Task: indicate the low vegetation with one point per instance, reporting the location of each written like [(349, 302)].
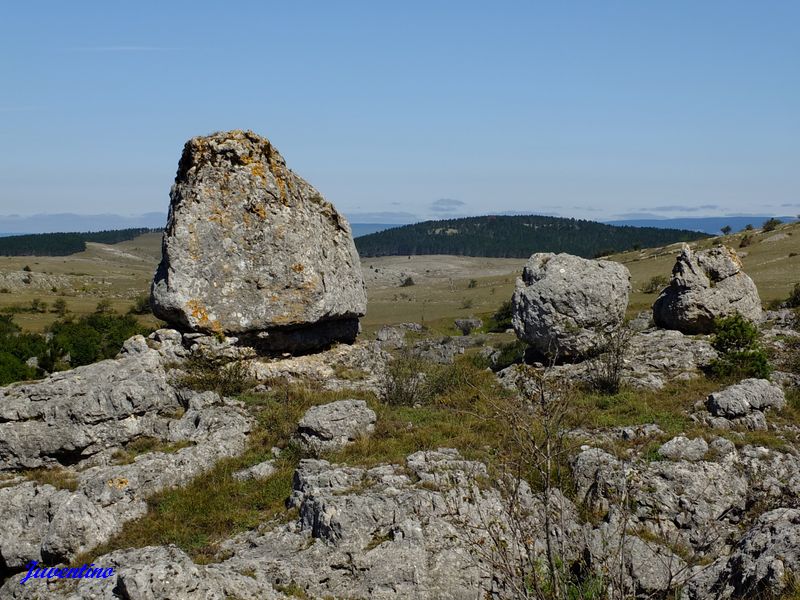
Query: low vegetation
[(68, 343), (741, 353)]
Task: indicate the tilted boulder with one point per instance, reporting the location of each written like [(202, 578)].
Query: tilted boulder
[(706, 286), (334, 425), (254, 251), (563, 303)]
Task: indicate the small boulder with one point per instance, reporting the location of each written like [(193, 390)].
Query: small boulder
[(260, 471), (253, 251), (333, 426), (706, 286), (682, 448), (745, 397), (563, 303), (467, 326)]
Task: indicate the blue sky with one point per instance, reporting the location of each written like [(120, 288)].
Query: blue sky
[(410, 110)]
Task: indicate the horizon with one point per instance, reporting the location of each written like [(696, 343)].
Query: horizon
[(599, 112)]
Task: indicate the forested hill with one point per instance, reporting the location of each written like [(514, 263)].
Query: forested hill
[(516, 237), (62, 244)]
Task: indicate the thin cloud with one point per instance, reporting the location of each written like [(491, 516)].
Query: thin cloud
[(121, 49), (446, 205), (14, 109), (684, 208)]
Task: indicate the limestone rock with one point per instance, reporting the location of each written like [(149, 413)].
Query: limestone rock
[(467, 326), (260, 471), (682, 448), (253, 250), (705, 286), (334, 425), (563, 303), (760, 564), (745, 397), (72, 415)]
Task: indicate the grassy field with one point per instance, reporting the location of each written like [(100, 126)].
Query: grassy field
[(444, 287)]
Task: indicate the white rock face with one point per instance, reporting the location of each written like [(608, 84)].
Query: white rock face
[(563, 303), (705, 286), (252, 248)]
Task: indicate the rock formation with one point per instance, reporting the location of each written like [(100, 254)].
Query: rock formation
[(563, 303), (254, 251), (705, 286)]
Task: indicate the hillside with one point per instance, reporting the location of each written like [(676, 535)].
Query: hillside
[(515, 237), (63, 244)]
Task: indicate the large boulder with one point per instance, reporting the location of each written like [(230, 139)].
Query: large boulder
[(705, 286), (252, 250), (563, 303)]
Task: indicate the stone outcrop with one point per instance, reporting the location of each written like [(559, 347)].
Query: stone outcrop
[(73, 415), (563, 304), (254, 251), (743, 404), (44, 523), (334, 425), (705, 286)]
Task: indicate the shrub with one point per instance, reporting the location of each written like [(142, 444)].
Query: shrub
[(726, 230), (748, 227), (407, 282), (467, 303), (746, 240), (26, 268), (655, 284), (501, 319), (771, 224), (509, 354), (793, 301), (60, 307), (741, 354), (473, 283), (405, 383), (605, 368), (93, 337), (13, 369), (141, 305), (226, 378)]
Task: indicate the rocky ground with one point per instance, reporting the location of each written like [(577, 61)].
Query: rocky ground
[(708, 512)]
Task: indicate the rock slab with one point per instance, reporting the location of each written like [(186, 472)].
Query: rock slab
[(251, 249)]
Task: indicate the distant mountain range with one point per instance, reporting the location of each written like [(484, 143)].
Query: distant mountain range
[(69, 222), (516, 237), (710, 225)]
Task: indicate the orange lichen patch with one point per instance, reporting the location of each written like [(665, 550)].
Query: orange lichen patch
[(119, 483), (261, 211), (278, 172), (298, 268), (258, 170), (200, 314)]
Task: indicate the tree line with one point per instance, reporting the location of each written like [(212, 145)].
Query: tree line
[(516, 237), (63, 244)]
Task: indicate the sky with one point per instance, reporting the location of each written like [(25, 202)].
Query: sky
[(410, 110)]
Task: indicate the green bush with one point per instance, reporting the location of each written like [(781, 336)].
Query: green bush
[(226, 378), (13, 369), (407, 282), (771, 224), (501, 319), (655, 284), (141, 305), (93, 337), (740, 352), (793, 301)]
